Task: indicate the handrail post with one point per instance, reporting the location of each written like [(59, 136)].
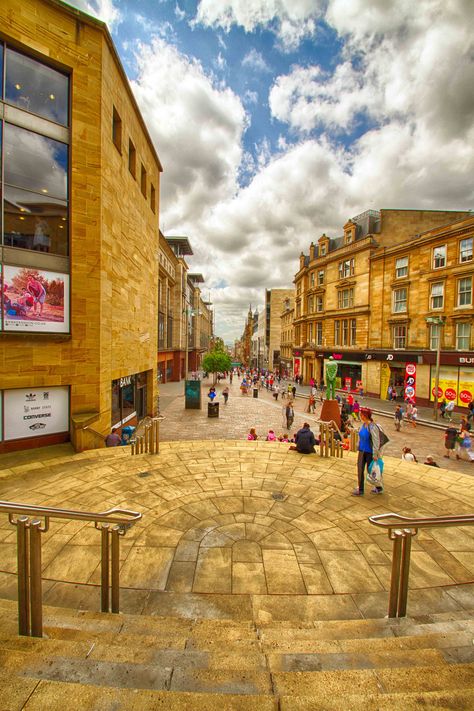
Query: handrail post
[(23, 564), (404, 572), (395, 579), (115, 565), (36, 593), (104, 590)]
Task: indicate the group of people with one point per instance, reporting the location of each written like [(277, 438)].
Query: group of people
[(303, 441), (459, 440)]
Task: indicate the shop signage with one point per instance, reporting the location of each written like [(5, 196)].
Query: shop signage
[(398, 356), (34, 412), (455, 384), (410, 381), (125, 381)]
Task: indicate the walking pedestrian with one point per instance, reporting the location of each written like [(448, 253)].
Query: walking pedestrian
[(225, 394), (289, 414), (370, 446), (398, 417), (450, 435), (449, 410)]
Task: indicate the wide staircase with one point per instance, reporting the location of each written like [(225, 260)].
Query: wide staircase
[(195, 651)]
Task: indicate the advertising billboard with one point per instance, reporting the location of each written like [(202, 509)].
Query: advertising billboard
[(35, 300), (454, 384), (35, 411)]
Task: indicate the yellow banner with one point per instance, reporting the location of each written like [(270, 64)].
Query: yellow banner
[(384, 381)]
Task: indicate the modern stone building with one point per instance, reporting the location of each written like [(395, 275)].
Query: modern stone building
[(79, 244), (341, 288)]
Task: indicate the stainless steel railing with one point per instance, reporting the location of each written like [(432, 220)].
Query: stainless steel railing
[(401, 530), (34, 520), (149, 441)]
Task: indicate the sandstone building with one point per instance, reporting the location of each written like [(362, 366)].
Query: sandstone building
[(79, 249), (364, 298)]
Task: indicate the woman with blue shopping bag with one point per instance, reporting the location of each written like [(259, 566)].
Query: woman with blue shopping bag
[(371, 441)]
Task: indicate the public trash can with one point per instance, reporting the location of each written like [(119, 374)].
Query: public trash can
[(127, 434), (213, 409), (255, 392)]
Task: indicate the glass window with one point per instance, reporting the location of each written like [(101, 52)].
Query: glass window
[(34, 221), (36, 87), (143, 180), (463, 336), (346, 268), (132, 159), (435, 333), (353, 331), (321, 277), (117, 130), (153, 197), (337, 333), (1, 89), (400, 300), (312, 279), (437, 295), (310, 333), (345, 331), (465, 250), (465, 291), (345, 298), (323, 250), (319, 334), (34, 162), (319, 303), (401, 267), (439, 257), (399, 336), (310, 304)]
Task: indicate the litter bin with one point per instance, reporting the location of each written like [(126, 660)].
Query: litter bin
[(213, 409), (255, 392), (127, 433)]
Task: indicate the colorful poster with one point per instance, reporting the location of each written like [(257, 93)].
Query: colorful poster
[(454, 385), (296, 366), (384, 380), (347, 383), (35, 300), (35, 411), (410, 382)]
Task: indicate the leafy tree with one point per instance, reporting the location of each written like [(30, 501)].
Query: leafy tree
[(216, 361)]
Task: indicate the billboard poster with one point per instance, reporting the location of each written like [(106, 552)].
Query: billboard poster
[(35, 300), (35, 411), (385, 374), (410, 382)]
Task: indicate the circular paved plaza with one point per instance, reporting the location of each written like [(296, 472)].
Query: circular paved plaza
[(241, 518)]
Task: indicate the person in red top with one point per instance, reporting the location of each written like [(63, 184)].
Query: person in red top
[(38, 292)]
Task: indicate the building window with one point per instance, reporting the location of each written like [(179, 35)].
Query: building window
[(401, 268), (399, 336), (319, 334), (310, 333), (345, 332), (346, 268), (439, 257), (345, 298), (465, 291), (399, 301), (143, 181), (437, 295), (36, 87), (323, 250), (132, 159), (310, 304), (465, 250), (311, 279), (35, 191), (153, 197), (117, 130), (319, 304), (321, 277), (435, 334), (463, 336), (348, 237)]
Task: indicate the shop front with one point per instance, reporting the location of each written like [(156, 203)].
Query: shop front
[(349, 370), (129, 399)]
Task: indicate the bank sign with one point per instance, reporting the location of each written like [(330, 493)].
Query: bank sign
[(34, 412)]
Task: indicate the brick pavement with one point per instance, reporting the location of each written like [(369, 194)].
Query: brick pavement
[(243, 412)]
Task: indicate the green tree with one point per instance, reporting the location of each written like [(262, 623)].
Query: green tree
[(216, 361)]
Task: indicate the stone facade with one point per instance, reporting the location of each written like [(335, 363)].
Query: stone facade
[(113, 226), (274, 300)]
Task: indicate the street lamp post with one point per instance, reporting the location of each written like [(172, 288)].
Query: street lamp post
[(436, 321)]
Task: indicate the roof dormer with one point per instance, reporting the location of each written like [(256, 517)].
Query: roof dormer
[(350, 232), (323, 243)]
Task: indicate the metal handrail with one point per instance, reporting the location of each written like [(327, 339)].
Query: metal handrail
[(401, 530), (112, 524), (123, 517)]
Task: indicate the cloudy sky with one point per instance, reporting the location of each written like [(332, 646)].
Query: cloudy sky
[(277, 120)]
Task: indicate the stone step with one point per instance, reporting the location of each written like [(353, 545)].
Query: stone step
[(34, 695), (455, 700)]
